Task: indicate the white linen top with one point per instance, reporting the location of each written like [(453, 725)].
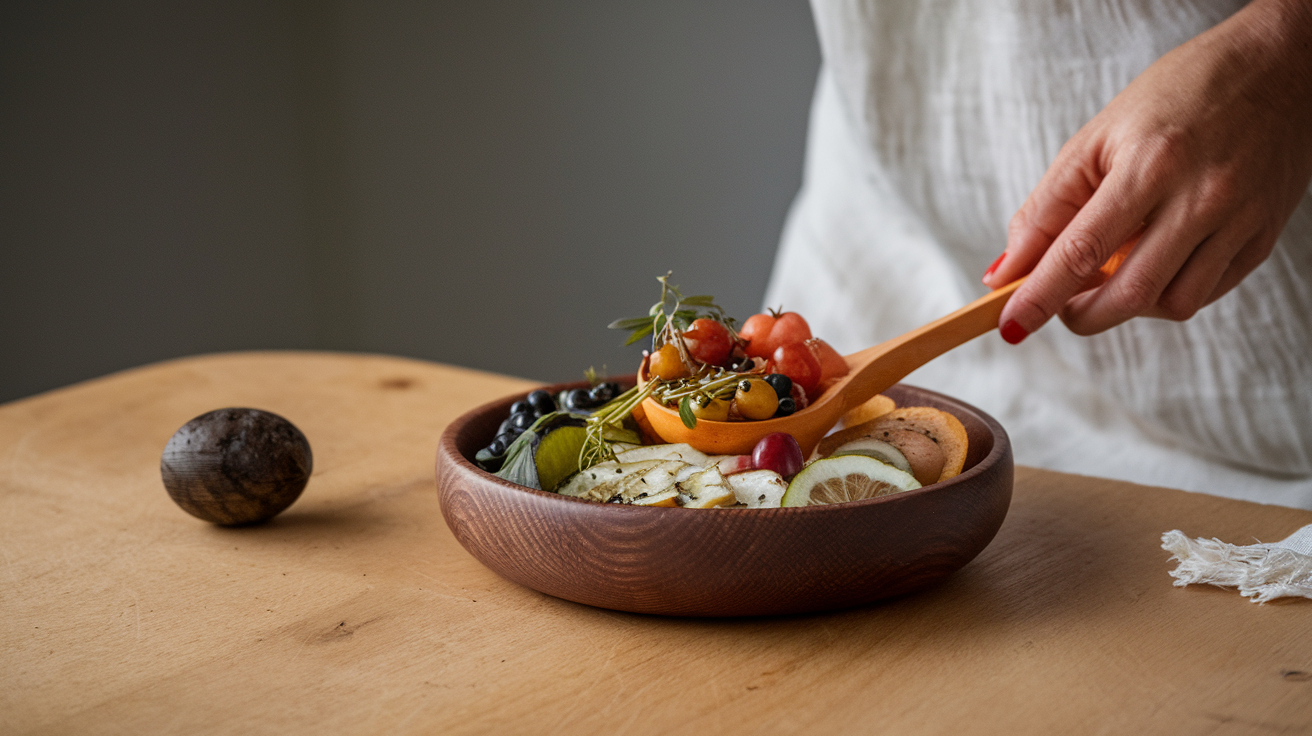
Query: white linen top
[(931, 123)]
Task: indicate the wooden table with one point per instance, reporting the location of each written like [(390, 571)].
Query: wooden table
[(356, 611)]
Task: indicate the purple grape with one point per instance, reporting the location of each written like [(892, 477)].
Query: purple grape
[(778, 452)]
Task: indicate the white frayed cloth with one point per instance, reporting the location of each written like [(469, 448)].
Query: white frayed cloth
[(1263, 572)]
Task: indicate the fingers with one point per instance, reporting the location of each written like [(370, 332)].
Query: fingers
[(1111, 216), (1066, 187), (1170, 274), (1254, 252)]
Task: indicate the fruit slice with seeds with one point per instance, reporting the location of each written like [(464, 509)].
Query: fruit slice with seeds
[(846, 478)]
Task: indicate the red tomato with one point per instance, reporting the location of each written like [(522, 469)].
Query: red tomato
[(832, 364), (796, 361), (765, 332), (708, 341)]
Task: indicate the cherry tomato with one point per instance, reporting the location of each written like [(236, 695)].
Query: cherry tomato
[(666, 364), (778, 452), (756, 399), (708, 341), (756, 331), (796, 361), (765, 332), (831, 363)]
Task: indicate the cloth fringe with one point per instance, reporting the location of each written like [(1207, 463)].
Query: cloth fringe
[(1262, 572)]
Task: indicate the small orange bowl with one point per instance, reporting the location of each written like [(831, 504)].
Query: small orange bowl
[(725, 562)]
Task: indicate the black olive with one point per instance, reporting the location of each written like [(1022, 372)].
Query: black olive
[(521, 407), (578, 399), (542, 402), (600, 394), (498, 447), (782, 385), (488, 460), (786, 406), (236, 466), (521, 421)]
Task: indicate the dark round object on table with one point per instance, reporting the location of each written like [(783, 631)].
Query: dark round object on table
[(521, 421), (521, 407), (236, 466)]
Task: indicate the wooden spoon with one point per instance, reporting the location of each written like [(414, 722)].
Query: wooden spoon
[(870, 372)]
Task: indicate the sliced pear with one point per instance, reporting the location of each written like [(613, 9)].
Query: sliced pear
[(705, 489), (758, 489), (730, 464), (582, 483), (680, 451), (667, 497)]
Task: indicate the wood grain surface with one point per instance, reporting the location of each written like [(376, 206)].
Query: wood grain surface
[(357, 611)]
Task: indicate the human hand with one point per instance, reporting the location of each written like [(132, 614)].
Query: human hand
[(1196, 166)]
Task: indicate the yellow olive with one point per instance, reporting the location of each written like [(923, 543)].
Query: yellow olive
[(712, 410), (666, 364), (756, 399)]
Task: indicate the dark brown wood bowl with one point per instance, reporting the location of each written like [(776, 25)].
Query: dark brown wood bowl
[(726, 562)]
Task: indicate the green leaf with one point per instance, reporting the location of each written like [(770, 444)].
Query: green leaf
[(685, 413), (519, 466), (701, 300), (638, 334), (629, 323)]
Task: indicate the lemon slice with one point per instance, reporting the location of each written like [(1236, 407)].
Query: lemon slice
[(846, 478)]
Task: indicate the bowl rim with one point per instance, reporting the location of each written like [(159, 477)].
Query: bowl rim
[(448, 450)]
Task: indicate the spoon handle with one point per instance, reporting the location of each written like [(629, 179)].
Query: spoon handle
[(877, 368)]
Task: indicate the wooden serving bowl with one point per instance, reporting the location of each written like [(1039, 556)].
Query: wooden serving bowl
[(725, 562)]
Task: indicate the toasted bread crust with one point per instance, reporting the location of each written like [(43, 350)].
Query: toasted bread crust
[(946, 430), (876, 407)]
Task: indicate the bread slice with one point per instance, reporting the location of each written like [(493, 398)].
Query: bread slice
[(876, 407), (944, 429)]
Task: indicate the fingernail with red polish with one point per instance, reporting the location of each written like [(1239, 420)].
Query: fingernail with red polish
[(1013, 333), (995, 265)]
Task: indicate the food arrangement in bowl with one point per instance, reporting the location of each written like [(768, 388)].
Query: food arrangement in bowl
[(594, 443), (570, 491)]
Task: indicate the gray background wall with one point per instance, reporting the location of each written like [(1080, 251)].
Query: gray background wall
[(476, 182)]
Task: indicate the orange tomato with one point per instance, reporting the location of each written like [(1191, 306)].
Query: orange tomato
[(767, 331)]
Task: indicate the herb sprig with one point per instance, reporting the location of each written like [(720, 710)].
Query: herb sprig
[(674, 313)]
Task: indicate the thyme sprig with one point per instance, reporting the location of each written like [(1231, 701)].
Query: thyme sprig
[(673, 314), (596, 448)]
